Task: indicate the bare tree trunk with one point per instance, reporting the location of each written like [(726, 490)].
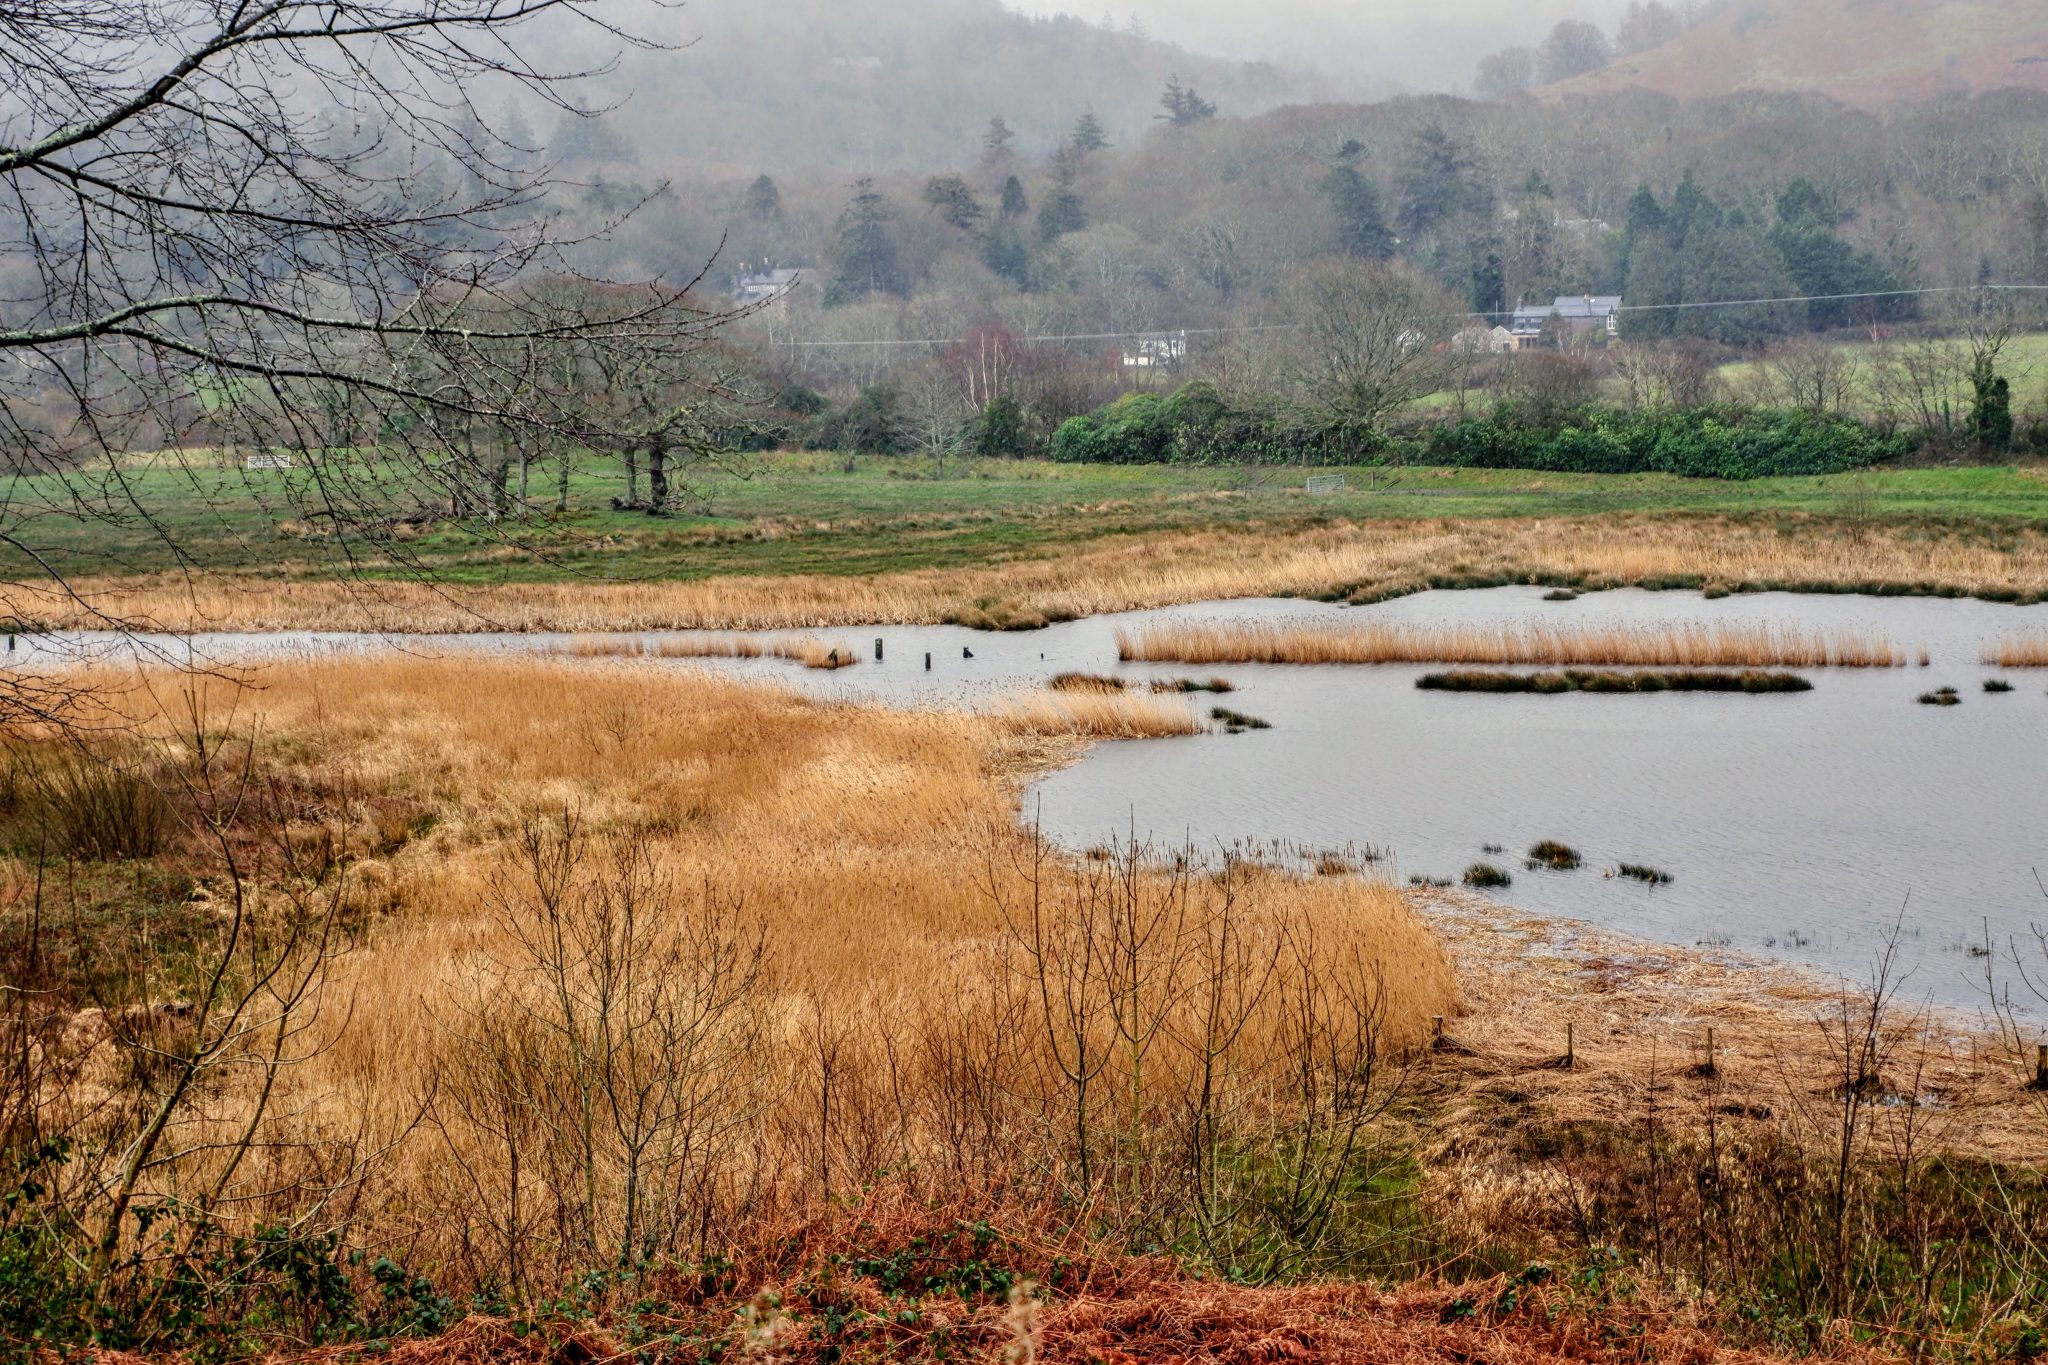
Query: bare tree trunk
[(657, 474)]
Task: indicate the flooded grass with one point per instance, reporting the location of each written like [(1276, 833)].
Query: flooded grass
[(1553, 855), (1194, 685), (1670, 645), (1997, 685), (1941, 696), (1482, 876), (1236, 722), (1641, 872), (1085, 682), (1750, 681)]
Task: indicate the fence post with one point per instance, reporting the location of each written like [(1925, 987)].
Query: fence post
[(878, 649)]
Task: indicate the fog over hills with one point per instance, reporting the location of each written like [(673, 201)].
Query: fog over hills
[(876, 85), (1422, 45)]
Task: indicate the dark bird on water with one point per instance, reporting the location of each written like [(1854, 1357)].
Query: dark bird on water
[(966, 653)]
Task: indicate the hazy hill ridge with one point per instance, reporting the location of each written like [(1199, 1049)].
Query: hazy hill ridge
[(1868, 53), (878, 85)]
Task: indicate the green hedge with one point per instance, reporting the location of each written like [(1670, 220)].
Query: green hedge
[(1196, 425), (1703, 443)]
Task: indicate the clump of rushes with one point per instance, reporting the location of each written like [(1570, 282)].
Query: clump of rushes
[(1713, 592), (1436, 883), (1560, 595), (1553, 855), (1194, 685), (1085, 682), (1941, 696), (1486, 875), (1751, 681), (1997, 685), (1237, 722), (997, 613), (1648, 875)]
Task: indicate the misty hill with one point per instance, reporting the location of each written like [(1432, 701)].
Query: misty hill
[(1867, 53), (876, 85)]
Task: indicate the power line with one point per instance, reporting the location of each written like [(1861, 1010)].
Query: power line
[(1064, 338)]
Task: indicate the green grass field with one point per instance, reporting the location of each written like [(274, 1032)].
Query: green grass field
[(803, 513)]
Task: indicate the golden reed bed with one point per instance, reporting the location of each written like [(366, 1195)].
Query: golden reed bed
[(2019, 651), (819, 654), (1690, 646), (837, 900), (1114, 574)]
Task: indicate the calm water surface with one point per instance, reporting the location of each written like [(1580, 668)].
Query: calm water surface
[(1802, 826)]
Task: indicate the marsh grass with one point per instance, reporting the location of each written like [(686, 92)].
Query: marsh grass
[(1371, 561), (813, 934), (88, 806), (1676, 645), (1553, 855), (1941, 696), (1483, 876), (1096, 714), (1217, 685), (1997, 685), (818, 654), (1641, 872), (1751, 681), (1085, 682), (1236, 722)]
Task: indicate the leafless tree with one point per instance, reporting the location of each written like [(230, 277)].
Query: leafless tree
[(1812, 376), (284, 228), (1368, 341), (935, 415)]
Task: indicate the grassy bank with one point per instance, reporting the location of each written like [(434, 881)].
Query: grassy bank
[(1356, 561), (803, 513)]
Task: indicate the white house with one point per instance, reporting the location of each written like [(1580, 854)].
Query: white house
[(1156, 351), (759, 286)]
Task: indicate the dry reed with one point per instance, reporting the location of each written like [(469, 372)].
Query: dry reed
[(1690, 646), (2019, 651), (1094, 714), (818, 654), (874, 853)]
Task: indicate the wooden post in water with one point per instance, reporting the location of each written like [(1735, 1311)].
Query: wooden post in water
[(878, 649), (927, 661)]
